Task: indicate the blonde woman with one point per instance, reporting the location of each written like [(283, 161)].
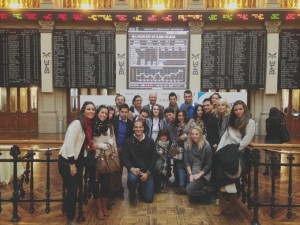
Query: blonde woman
[(198, 161), (222, 113)]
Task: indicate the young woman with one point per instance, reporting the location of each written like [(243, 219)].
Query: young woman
[(273, 123), (199, 117), (155, 122), (215, 97), (136, 105), (77, 141), (162, 162), (183, 126), (222, 114), (111, 114), (103, 138), (240, 131), (198, 161)]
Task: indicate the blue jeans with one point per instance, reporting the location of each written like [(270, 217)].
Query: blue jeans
[(145, 189), (181, 172)]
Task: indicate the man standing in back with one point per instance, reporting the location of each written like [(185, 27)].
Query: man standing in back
[(188, 104)]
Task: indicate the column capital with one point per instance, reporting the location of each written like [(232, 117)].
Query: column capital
[(121, 27), (273, 26), (46, 26), (196, 27)]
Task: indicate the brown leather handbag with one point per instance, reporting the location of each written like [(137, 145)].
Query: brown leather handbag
[(108, 161)]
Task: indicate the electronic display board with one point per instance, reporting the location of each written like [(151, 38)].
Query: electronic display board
[(289, 60), (158, 58), (84, 58), (233, 59)]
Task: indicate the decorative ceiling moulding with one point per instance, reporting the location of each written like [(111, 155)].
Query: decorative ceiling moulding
[(46, 26), (272, 26)]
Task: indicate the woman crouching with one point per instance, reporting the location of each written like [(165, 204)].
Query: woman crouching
[(198, 160)]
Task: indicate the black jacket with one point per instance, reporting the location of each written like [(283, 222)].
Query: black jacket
[(273, 131), (211, 123), (139, 154), (129, 127)]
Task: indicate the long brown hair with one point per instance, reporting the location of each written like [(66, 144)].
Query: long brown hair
[(239, 123)]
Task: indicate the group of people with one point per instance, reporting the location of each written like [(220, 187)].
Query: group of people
[(197, 135)]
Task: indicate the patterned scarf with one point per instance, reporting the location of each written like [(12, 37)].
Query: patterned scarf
[(88, 124), (100, 127)]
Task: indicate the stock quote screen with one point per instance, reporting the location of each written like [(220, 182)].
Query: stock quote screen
[(158, 58)]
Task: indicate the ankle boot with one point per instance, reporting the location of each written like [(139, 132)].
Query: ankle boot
[(104, 206), (99, 209), (180, 190), (222, 204), (232, 204)]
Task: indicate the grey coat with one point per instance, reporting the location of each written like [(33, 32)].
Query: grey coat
[(206, 161)]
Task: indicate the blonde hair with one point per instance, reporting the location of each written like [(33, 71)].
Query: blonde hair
[(200, 132), (227, 111)]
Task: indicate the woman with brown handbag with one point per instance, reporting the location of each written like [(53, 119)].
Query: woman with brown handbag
[(104, 140)]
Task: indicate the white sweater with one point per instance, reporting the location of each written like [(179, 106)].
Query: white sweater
[(74, 140), (233, 136)]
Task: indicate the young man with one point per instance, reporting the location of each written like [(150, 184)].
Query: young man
[(211, 123), (139, 157), (144, 114), (188, 104), (152, 100), (170, 118), (120, 100), (123, 130), (173, 101)]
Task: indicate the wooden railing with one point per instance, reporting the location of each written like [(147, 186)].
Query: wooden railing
[(250, 193)]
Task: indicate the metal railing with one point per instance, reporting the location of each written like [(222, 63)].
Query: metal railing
[(18, 194), (250, 193)]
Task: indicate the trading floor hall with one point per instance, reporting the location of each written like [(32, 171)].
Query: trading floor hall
[(167, 208)]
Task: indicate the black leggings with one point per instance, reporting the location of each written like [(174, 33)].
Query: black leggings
[(71, 183)]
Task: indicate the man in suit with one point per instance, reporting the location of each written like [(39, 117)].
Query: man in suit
[(123, 130), (152, 100)]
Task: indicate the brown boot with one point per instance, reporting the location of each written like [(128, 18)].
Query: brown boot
[(180, 190), (99, 209), (104, 206), (232, 204), (222, 204)]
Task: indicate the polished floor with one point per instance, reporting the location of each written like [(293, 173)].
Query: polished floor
[(167, 208)]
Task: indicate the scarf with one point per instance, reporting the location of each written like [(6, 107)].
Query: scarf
[(163, 144), (187, 106), (174, 107), (100, 127), (88, 124)]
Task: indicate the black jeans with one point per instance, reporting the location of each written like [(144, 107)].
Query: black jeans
[(71, 183)]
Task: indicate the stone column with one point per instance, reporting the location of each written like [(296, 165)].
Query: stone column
[(196, 30), (121, 55), (46, 4), (47, 112), (121, 4), (196, 4), (271, 96), (272, 56)]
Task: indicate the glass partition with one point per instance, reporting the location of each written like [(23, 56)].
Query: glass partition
[(74, 100), (3, 99), (23, 100), (13, 100), (33, 99), (295, 102)]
